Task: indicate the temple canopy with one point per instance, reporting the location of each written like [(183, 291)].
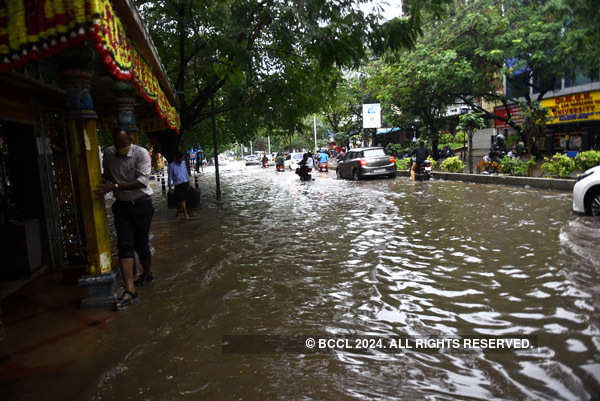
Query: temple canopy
[(33, 30)]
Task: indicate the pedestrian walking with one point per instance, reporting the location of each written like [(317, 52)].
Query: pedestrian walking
[(179, 184), (127, 174)]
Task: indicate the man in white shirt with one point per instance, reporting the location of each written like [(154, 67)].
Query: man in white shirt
[(310, 162), (127, 175)]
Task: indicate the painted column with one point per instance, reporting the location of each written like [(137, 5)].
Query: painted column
[(100, 283), (125, 102), (86, 167)]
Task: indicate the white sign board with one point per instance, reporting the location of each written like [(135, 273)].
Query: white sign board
[(372, 115)]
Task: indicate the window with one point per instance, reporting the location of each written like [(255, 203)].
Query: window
[(579, 76), (546, 83), (517, 86), (374, 153)]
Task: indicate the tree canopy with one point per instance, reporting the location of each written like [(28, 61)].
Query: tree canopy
[(266, 62), (481, 45)]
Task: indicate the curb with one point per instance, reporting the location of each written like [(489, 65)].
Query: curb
[(533, 182)]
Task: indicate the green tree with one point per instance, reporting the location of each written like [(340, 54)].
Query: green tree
[(469, 123), (529, 44), (265, 62), (417, 87), (343, 110)]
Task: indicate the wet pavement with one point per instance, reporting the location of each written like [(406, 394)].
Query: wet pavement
[(378, 257)]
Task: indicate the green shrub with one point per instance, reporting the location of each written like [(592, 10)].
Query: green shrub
[(453, 165), (461, 137), (531, 163), (513, 166), (559, 165), (403, 164), (394, 149), (587, 159), (446, 138)]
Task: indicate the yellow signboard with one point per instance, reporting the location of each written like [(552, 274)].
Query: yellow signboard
[(578, 107)]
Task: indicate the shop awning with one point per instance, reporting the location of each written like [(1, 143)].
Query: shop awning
[(31, 30)]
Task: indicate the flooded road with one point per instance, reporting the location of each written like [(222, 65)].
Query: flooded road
[(379, 257)]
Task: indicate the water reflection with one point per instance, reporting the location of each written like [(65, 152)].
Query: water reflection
[(381, 257)]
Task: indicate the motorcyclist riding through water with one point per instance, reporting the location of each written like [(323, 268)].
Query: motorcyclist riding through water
[(323, 160), (279, 162), (420, 153), (498, 150), (306, 165)]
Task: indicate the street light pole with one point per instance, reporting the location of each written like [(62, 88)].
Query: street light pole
[(269, 142), (315, 129), (214, 134)]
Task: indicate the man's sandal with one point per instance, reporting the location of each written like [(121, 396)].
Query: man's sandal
[(144, 279), (125, 302)]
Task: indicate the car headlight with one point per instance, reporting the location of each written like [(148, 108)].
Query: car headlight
[(584, 175)]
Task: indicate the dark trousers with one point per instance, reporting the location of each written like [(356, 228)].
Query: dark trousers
[(181, 191), (132, 222)]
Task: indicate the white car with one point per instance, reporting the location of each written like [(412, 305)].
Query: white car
[(586, 192), (293, 161), (251, 160)]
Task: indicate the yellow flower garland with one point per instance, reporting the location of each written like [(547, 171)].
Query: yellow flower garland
[(70, 21)]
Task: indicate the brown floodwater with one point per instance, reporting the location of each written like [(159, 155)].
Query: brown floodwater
[(379, 258)]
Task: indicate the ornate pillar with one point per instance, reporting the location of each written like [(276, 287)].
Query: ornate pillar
[(125, 102), (100, 283)]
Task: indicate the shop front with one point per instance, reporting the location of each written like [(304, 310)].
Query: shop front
[(573, 122), (70, 70)]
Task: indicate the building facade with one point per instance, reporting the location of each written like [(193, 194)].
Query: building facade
[(70, 70)]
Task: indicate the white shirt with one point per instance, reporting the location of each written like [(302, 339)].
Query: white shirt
[(309, 162), (134, 166)]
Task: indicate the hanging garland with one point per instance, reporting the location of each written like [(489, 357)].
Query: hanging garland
[(34, 29)]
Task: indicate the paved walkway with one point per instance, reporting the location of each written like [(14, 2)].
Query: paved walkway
[(43, 331)]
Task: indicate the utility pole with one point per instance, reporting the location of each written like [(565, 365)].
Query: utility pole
[(315, 129), (269, 142), (214, 133), (251, 148)]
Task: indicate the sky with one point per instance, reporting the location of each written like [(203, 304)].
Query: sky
[(392, 8)]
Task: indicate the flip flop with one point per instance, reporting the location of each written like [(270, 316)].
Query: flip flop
[(124, 303)]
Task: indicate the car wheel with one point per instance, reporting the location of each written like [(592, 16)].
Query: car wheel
[(595, 203), (355, 176), (337, 173), (393, 175)]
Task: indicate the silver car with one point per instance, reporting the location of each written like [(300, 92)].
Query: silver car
[(586, 192), (366, 162)]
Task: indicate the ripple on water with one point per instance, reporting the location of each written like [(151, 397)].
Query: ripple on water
[(368, 258)]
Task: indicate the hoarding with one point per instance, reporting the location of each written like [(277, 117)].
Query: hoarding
[(371, 115), (516, 114), (577, 107)]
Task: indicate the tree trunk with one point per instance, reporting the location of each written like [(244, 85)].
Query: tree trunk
[(469, 156), (434, 149)]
